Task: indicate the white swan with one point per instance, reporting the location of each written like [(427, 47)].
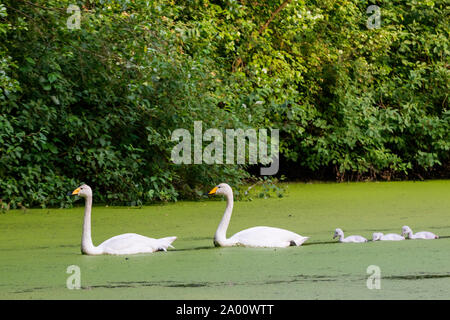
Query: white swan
[(406, 231), (253, 237), (339, 233), (387, 237), (128, 243)]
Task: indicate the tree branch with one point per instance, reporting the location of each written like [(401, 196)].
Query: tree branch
[(281, 7)]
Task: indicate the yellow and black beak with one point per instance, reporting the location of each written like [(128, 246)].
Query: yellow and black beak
[(213, 191), (75, 192)]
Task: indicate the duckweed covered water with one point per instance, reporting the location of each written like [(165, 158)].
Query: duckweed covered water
[(37, 246)]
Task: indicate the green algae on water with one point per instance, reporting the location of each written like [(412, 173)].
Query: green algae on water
[(37, 247)]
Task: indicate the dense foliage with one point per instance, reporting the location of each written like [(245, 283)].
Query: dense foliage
[(98, 104)]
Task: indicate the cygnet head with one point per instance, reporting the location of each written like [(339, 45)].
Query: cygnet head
[(221, 189), (376, 236), (83, 191), (338, 232), (406, 230)]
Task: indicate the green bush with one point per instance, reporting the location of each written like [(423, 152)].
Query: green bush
[(98, 104), (369, 103)]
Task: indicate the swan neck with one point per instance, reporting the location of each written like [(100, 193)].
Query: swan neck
[(220, 237), (87, 247)]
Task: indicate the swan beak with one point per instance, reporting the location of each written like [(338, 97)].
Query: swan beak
[(213, 191), (75, 192)]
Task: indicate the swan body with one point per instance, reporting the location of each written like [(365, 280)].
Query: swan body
[(387, 237), (339, 233), (407, 232), (132, 243), (267, 237), (255, 237), (128, 243)]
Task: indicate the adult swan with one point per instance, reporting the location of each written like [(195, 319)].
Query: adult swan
[(253, 237), (128, 243)]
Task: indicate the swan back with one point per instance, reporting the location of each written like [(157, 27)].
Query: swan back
[(355, 239), (392, 237), (387, 237), (424, 235), (267, 237), (132, 243)]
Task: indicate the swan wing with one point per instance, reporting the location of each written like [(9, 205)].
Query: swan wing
[(267, 237), (425, 235), (132, 243), (392, 237), (355, 239)]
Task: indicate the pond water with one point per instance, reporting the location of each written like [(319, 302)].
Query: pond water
[(38, 245)]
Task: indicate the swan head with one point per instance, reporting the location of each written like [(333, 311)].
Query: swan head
[(338, 232), (83, 191), (376, 236), (221, 189), (406, 230)]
